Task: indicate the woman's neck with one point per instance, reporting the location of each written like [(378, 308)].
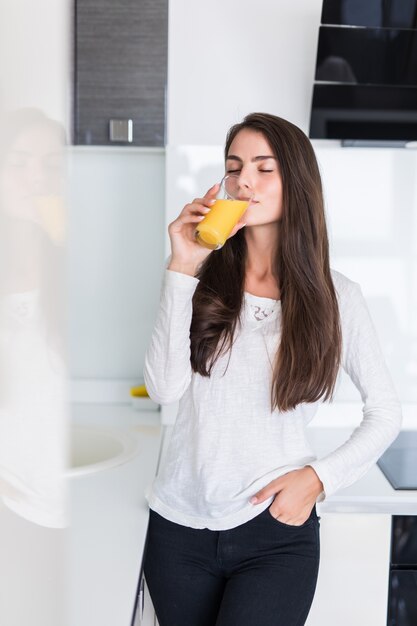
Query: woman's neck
[(261, 242), (260, 277)]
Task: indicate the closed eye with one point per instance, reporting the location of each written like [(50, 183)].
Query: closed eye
[(237, 171)]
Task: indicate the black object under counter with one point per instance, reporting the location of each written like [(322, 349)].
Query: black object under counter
[(402, 593)]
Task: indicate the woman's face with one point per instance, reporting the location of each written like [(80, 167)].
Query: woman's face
[(33, 167), (251, 157)]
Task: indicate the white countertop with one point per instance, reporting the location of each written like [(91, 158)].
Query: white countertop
[(109, 520), (109, 514), (372, 493)]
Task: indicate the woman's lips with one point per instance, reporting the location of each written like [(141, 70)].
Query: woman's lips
[(251, 202)]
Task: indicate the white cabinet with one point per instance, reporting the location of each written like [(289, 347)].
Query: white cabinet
[(352, 586)]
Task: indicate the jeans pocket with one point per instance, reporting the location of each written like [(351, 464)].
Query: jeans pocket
[(310, 520)]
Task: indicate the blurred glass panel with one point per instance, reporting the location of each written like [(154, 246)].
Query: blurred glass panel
[(34, 70)]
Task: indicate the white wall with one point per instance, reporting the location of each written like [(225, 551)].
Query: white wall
[(372, 218), (35, 56), (115, 258), (228, 59)]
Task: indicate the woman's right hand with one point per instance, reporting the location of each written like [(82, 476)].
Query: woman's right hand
[(186, 253)]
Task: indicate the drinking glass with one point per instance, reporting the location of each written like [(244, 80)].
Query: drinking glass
[(231, 203)]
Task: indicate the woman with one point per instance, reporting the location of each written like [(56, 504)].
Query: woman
[(33, 423), (250, 339)]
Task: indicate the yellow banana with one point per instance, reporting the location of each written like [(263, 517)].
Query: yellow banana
[(139, 392)]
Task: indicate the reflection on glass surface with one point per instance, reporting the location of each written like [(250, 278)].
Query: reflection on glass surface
[(32, 306), (34, 517), (404, 540), (364, 112), (377, 56), (399, 461), (402, 598), (385, 13)]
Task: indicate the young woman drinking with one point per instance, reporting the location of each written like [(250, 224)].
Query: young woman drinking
[(250, 339)]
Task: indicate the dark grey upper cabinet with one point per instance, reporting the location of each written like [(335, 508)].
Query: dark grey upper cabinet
[(120, 71)]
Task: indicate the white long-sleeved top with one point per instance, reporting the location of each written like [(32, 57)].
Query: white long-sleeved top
[(226, 443)]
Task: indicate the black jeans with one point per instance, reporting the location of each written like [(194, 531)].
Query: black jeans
[(263, 572)]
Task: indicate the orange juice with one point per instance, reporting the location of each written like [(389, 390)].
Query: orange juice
[(52, 212), (217, 225)]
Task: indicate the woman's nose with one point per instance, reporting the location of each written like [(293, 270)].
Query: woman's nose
[(246, 186), (35, 175)]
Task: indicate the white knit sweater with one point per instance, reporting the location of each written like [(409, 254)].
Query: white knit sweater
[(226, 444)]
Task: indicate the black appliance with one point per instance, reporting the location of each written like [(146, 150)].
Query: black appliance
[(399, 462), (365, 89), (402, 594)]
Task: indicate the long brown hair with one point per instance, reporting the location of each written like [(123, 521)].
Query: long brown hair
[(309, 354)]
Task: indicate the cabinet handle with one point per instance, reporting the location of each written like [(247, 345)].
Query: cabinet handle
[(121, 130)]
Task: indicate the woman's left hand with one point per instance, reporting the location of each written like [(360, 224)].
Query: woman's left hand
[(296, 494)]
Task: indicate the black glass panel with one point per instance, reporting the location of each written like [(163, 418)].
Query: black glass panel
[(404, 541), (375, 56), (373, 13), (365, 97), (399, 461), (400, 467), (364, 112), (402, 605)]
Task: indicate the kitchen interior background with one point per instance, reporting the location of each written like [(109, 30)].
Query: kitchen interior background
[(225, 60)]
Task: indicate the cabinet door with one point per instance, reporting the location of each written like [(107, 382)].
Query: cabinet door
[(404, 541), (402, 608), (352, 586), (120, 69)]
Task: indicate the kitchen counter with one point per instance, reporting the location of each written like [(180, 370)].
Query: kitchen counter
[(109, 520), (372, 493)]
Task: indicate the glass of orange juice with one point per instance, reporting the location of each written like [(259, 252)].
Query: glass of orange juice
[(231, 203)]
